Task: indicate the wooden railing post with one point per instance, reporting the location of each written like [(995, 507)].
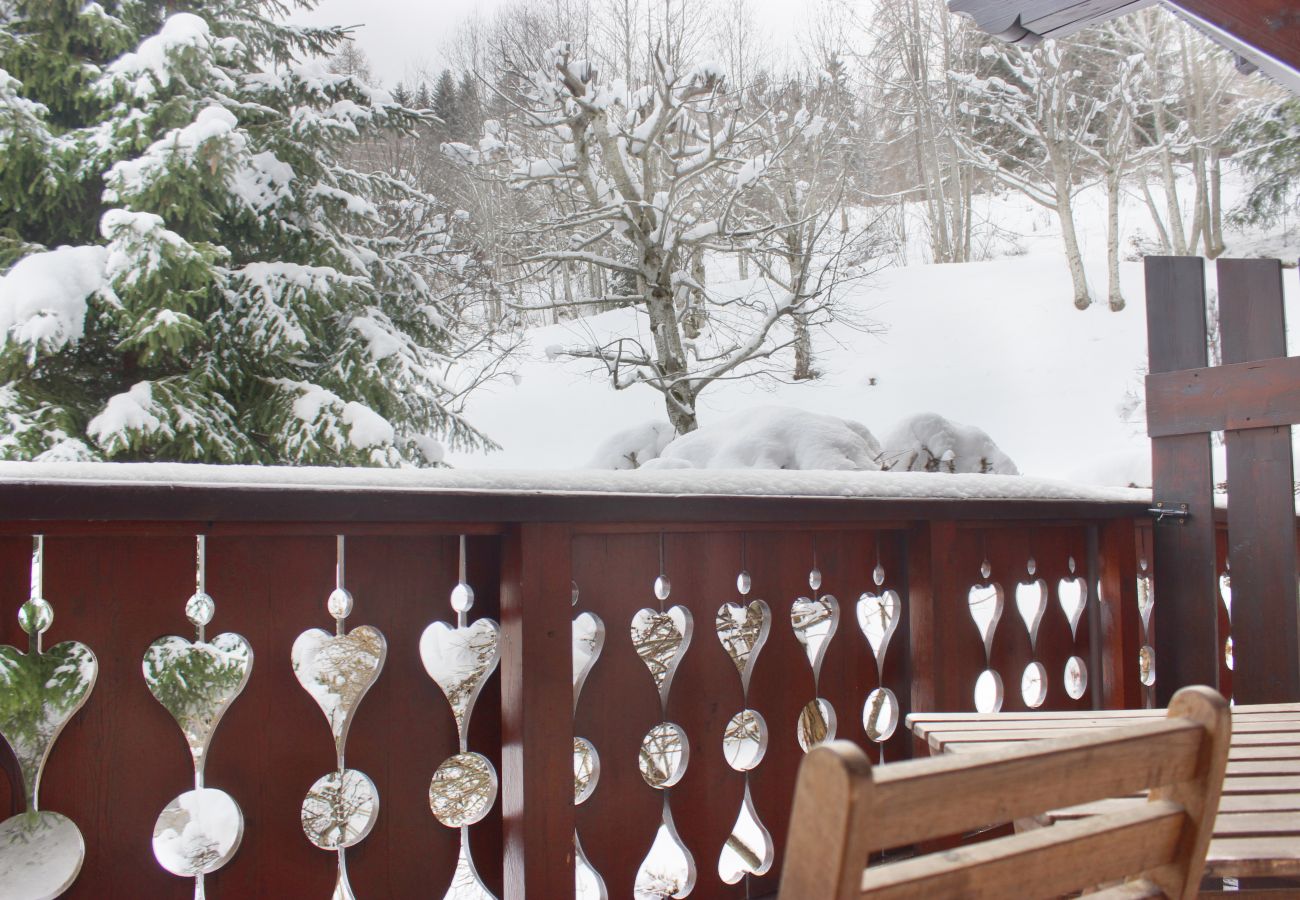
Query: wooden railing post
[(537, 712), (943, 661), (1261, 502), (1187, 643), (1120, 634)]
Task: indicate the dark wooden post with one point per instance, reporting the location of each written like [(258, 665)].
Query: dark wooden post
[(1186, 641), (537, 712), (1261, 500), (944, 648), (1120, 634)]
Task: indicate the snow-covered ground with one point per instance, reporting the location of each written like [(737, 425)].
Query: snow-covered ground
[(997, 344)]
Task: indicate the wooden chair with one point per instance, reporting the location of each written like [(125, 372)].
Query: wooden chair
[(844, 810)]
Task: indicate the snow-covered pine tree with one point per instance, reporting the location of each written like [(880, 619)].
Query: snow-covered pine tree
[(1267, 132), (192, 271)]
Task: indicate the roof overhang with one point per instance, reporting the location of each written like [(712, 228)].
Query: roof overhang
[(1264, 34)]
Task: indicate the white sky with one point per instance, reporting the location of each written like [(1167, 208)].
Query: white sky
[(404, 37)]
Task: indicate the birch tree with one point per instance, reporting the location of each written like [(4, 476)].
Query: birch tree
[(1048, 111)]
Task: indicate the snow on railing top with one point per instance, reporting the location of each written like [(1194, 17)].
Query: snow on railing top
[(675, 482)]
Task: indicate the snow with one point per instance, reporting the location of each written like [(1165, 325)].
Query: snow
[(930, 443), (996, 344), (263, 182), (135, 246), (125, 413), (685, 483), (366, 428), (632, 447), (751, 171), (130, 176), (774, 437), (150, 65), (380, 341), (43, 297)]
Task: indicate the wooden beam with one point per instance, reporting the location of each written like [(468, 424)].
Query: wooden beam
[(1261, 500), (1186, 640), (1264, 32), (1262, 393), (52, 501)]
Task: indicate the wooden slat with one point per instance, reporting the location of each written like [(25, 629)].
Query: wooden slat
[(1121, 631), (828, 830), (537, 712), (1187, 645), (1264, 767), (781, 685), (1258, 394), (708, 799), (618, 705), (1244, 804), (1257, 823), (976, 741), (1016, 781), (1254, 857), (1261, 508), (1048, 724), (1089, 851), (1261, 784)]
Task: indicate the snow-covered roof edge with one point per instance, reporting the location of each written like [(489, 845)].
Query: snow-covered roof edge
[(676, 482)]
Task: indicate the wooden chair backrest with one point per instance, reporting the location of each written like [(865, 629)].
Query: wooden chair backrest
[(844, 810)]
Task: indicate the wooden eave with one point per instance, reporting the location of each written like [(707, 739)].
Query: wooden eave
[(1264, 34)]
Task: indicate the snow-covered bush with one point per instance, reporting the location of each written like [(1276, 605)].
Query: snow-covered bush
[(930, 443), (773, 437), (632, 447)]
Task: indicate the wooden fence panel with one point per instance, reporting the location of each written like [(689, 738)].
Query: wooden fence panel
[(1261, 508), (1187, 642)]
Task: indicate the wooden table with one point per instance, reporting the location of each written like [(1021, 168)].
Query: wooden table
[(1257, 832)]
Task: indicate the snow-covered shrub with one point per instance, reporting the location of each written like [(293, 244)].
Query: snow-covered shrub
[(930, 443), (773, 437), (632, 447)]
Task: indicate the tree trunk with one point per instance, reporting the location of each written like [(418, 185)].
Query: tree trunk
[(1177, 235), (679, 392), (803, 370), (1161, 233), (1216, 245), (1113, 291), (1073, 255)]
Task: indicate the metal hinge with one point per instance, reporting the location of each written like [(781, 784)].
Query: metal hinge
[(1164, 510)]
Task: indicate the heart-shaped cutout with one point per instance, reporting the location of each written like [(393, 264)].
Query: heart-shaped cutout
[(878, 619), (661, 639), (1031, 602), (815, 621), (1073, 596), (460, 661), (42, 692), (743, 630), (197, 682), (588, 641), (337, 670), (985, 602)]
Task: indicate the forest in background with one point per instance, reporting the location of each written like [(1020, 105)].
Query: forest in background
[(274, 259)]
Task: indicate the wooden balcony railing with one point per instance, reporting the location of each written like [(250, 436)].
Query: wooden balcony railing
[(881, 594)]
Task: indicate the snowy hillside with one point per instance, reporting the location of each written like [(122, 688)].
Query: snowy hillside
[(995, 344)]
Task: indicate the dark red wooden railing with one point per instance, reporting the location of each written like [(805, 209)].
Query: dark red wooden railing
[(120, 564)]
